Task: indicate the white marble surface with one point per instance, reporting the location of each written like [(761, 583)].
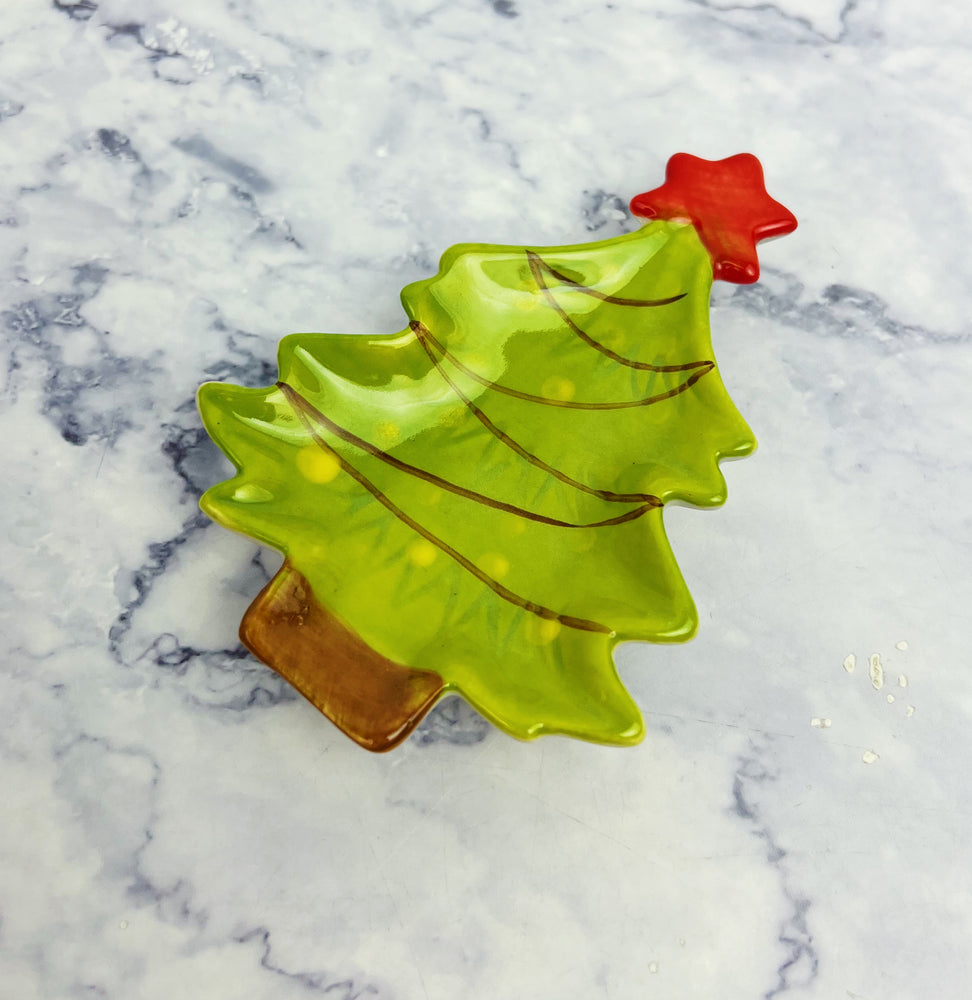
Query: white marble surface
[(185, 181)]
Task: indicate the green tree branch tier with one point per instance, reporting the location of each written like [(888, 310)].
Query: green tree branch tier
[(474, 505)]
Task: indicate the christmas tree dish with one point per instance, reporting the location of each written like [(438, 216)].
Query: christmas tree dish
[(474, 505)]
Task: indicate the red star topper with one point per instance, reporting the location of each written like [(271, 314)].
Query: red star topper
[(726, 201)]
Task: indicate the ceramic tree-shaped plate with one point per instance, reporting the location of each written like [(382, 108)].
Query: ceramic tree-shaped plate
[(474, 504)]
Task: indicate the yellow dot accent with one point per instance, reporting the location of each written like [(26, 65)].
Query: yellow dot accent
[(613, 339), (513, 526), (317, 465), (315, 551), (584, 539), (526, 303), (451, 416), (422, 552), (543, 631), (388, 432), (431, 495), (494, 564), (558, 387)]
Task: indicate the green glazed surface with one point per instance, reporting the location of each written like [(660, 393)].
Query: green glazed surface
[(435, 486)]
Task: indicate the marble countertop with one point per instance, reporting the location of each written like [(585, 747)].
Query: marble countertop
[(184, 182)]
